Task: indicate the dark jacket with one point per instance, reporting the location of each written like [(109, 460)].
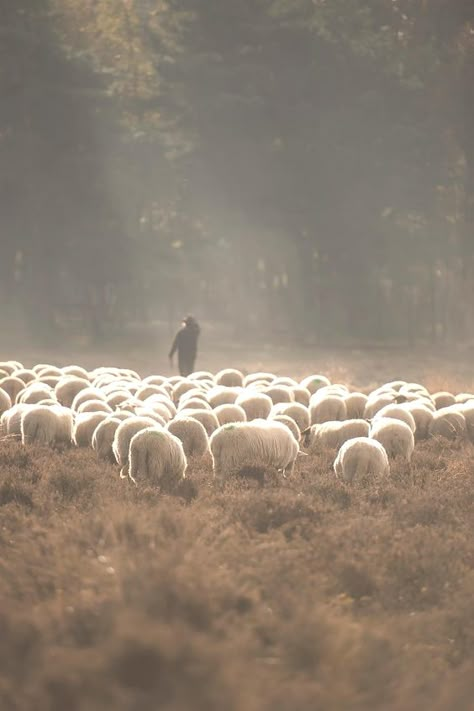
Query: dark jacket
[(185, 342)]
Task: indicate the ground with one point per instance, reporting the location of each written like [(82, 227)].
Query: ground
[(308, 594)]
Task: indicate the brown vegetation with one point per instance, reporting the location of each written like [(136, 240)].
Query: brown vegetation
[(308, 594)]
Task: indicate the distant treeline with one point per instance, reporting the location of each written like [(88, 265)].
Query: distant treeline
[(294, 167)]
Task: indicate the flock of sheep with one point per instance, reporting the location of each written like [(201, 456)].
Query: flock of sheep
[(152, 427)]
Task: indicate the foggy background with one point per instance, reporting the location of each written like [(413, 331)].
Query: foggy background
[(292, 171)]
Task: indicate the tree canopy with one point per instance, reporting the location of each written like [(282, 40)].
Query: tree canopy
[(297, 167)]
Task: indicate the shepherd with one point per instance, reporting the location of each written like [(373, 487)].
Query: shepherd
[(185, 342)]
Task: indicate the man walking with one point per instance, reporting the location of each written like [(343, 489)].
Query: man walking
[(185, 342)]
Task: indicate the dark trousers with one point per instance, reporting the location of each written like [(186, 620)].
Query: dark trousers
[(186, 366)]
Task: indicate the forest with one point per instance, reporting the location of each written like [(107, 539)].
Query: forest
[(301, 169)]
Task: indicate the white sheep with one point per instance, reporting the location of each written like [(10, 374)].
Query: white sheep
[(156, 457), (299, 413), (314, 382), (34, 393), (94, 406), (223, 395), (103, 438), (46, 425), (252, 378), (256, 406), (230, 413), (443, 399), (423, 417), (206, 417), (230, 377), (332, 435), (395, 436), (12, 386), (355, 405), (68, 387), (360, 457), (10, 420), (26, 375), (397, 412), (301, 395), (255, 445), (279, 393), (5, 401), (327, 408), (85, 395), (84, 426), (192, 435), (290, 423), (448, 422), (194, 403), (76, 371), (124, 433)]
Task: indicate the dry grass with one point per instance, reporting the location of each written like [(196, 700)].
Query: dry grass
[(304, 595)]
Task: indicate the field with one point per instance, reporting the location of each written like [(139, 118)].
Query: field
[(305, 595)]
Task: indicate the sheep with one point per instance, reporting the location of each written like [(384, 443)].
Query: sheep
[(395, 436), (448, 422), (221, 395), (42, 369), (360, 457), (287, 382), (5, 401), (157, 457), (194, 404), (256, 445), (443, 399), (154, 380), (182, 387), (397, 412), (252, 378), (103, 438), (11, 365), (202, 375), (230, 378), (195, 393), (290, 423), (117, 398), (192, 435), (301, 395), (10, 420), (161, 400), (299, 413), (326, 408), (423, 417), (12, 386), (86, 395), (46, 425), (84, 427), (75, 371), (124, 433), (94, 406), (462, 398), (279, 394), (467, 410), (256, 406), (49, 380), (68, 387), (230, 413), (355, 405), (375, 402), (314, 382), (147, 412), (34, 393), (332, 435), (205, 417), (26, 375)]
